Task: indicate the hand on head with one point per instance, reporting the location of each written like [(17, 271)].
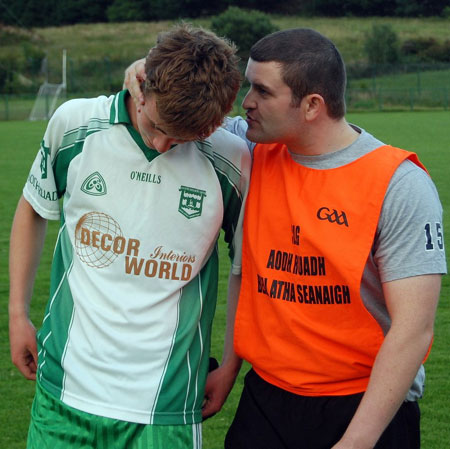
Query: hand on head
[(134, 76)]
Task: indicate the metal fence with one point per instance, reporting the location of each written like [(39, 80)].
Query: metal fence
[(370, 88), (385, 99), (18, 107)]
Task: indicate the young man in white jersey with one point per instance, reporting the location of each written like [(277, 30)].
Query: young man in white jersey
[(342, 260), (122, 356)]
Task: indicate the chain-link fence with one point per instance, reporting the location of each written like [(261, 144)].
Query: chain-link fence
[(370, 88), (401, 99), (398, 87)]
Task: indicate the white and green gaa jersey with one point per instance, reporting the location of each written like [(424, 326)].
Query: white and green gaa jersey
[(126, 332)]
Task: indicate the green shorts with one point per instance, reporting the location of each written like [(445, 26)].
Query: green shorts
[(55, 425)]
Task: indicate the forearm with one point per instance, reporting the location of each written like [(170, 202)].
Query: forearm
[(412, 304), (221, 380), (230, 359), (393, 373), (26, 242), (27, 238)]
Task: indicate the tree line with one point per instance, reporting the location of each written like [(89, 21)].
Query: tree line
[(38, 13)]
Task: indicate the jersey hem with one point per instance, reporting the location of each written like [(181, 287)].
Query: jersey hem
[(422, 270), (159, 418), (44, 213), (358, 386)]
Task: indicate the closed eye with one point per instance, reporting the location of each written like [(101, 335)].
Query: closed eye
[(263, 92)]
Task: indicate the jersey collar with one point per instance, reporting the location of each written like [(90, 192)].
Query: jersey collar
[(119, 115), (118, 112)]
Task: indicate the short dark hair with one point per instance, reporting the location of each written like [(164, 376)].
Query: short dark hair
[(194, 77), (310, 63)]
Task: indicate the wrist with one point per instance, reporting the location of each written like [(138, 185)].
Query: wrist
[(232, 364), (352, 441), (18, 311)]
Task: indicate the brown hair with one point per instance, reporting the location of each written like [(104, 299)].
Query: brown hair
[(310, 63), (194, 77)]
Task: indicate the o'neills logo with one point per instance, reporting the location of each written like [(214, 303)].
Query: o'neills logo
[(99, 241)]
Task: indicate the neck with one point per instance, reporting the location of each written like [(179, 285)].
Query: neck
[(132, 112), (324, 137)]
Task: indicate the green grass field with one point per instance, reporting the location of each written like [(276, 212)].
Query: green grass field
[(425, 133)]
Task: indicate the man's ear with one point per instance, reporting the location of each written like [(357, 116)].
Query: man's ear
[(314, 104)]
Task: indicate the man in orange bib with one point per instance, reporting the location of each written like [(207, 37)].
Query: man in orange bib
[(342, 261)]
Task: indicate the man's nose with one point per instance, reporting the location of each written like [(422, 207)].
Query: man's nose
[(247, 102), (162, 143)]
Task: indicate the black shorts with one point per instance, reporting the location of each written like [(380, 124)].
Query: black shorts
[(271, 418)]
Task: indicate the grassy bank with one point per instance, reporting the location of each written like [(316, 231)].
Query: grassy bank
[(128, 41)]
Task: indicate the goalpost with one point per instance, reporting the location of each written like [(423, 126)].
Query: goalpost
[(47, 97)]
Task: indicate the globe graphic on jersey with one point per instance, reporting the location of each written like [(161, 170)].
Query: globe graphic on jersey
[(98, 239)]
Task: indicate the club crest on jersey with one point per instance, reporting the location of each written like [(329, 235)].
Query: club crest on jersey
[(45, 151), (191, 201), (94, 184)]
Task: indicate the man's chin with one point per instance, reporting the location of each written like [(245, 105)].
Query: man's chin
[(258, 137), (253, 135)]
